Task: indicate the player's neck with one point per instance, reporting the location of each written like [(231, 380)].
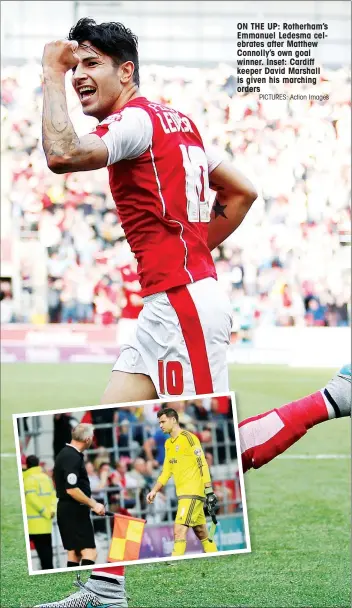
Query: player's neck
[(78, 445), (175, 432), (126, 95)]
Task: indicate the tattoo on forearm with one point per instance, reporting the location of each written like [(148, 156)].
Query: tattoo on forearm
[(59, 137), (219, 209)]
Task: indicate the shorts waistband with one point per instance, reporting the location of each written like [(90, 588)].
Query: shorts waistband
[(152, 297), (191, 496)]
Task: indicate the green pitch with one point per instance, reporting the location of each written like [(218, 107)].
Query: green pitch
[(299, 509)]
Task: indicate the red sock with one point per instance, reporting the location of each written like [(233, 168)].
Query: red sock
[(264, 437), (116, 570)]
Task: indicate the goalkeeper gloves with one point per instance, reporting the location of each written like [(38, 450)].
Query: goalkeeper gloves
[(210, 499)]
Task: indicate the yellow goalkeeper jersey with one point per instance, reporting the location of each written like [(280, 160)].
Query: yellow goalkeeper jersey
[(185, 461)]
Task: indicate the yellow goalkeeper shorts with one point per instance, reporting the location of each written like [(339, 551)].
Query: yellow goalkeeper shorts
[(190, 512)]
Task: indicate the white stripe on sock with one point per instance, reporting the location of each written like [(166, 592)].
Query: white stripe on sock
[(330, 409)]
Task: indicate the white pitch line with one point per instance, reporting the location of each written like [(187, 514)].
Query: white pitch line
[(8, 455)]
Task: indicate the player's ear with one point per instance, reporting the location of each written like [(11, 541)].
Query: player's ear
[(126, 71)]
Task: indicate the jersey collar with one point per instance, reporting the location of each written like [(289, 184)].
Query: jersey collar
[(174, 438), (74, 447)]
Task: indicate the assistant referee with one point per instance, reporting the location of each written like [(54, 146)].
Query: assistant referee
[(74, 494)]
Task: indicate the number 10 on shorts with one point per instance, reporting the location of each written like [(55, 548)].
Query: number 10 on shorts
[(170, 377)]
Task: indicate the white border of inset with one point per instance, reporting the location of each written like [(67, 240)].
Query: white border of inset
[(231, 394)]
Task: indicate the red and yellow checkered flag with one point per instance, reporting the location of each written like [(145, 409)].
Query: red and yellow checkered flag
[(126, 539)]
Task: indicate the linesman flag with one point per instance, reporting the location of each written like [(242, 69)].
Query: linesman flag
[(126, 539)]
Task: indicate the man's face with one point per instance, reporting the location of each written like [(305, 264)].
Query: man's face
[(90, 468), (96, 81), (140, 466), (166, 424)]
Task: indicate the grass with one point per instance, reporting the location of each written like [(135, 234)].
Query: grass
[(299, 510)]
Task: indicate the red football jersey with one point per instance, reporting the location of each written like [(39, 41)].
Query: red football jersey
[(162, 196), (132, 292)]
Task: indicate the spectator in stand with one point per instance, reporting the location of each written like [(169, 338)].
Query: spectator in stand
[(97, 482), (68, 303), (185, 419), (197, 410), (130, 438), (316, 312), (209, 458), (103, 436), (97, 485), (213, 432), (102, 457), (142, 473), (154, 448), (7, 305), (7, 308), (54, 299), (215, 414), (85, 294), (129, 416), (126, 482)]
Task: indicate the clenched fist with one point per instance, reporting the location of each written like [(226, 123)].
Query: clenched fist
[(60, 55), (99, 509)]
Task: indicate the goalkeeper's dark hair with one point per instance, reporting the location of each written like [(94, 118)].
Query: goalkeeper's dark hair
[(169, 412), (113, 39)]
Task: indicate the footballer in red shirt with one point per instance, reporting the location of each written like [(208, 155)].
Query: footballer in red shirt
[(160, 176)]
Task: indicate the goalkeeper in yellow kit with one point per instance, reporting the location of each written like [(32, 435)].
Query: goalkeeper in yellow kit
[(184, 460)]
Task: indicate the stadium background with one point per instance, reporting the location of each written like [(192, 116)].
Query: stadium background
[(125, 461), (287, 270)]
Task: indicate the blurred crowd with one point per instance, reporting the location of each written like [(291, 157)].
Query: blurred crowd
[(287, 265)]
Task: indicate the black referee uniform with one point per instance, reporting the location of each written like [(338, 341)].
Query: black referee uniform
[(73, 518)]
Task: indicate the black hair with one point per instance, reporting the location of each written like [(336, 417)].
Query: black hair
[(113, 39), (168, 412), (32, 461)]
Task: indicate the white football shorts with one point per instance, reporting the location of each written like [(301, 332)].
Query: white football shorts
[(181, 340), (126, 331)]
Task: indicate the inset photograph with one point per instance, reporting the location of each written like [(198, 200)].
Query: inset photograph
[(149, 481)]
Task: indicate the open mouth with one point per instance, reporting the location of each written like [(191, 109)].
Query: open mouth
[(86, 92)]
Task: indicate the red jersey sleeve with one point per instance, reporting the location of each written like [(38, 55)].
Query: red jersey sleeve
[(126, 134)]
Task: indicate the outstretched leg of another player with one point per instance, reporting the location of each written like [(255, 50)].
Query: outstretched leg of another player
[(105, 587), (264, 437)]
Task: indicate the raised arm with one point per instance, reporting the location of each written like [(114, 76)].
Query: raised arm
[(64, 150), (235, 195)]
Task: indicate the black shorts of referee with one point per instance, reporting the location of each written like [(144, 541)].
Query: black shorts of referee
[(75, 526)]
